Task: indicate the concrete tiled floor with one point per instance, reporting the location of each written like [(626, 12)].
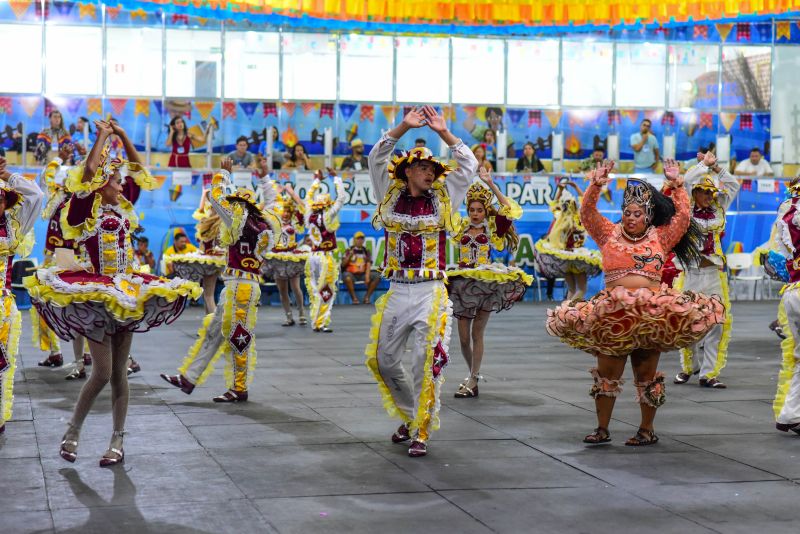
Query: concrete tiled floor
[(310, 452)]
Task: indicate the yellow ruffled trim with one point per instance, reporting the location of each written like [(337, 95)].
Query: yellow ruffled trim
[(43, 335), (788, 362), (89, 225), (727, 326), (11, 331), (205, 259), (371, 362), (229, 235), (195, 350), (286, 256), (448, 220), (789, 287), (513, 211), (593, 258), (74, 181), (320, 311), (491, 276), (43, 292)]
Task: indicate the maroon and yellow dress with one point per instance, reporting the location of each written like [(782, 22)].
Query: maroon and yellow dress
[(105, 296)]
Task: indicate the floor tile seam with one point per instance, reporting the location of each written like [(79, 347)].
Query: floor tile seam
[(762, 470), (39, 456), (465, 511), (159, 504), (564, 462)]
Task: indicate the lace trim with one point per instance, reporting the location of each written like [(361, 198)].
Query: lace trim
[(616, 274)]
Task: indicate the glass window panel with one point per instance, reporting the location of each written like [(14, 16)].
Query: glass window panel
[(252, 65), (785, 111), (366, 68), (641, 75), (693, 73), (532, 73), (746, 77), (193, 63), (423, 69), (23, 67), (478, 71), (309, 66), (68, 47), (133, 61), (587, 73)]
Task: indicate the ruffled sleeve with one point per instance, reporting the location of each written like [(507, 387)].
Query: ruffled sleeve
[(672, 232), (599, 227), (506, 216)]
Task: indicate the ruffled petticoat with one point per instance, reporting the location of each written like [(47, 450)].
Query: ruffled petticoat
[(92, 305), (284, 265), (195, 266), (490, 288), (617, 321), (555, 263)]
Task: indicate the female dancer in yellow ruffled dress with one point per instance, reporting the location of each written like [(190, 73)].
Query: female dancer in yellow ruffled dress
[(205, 265), (53, 177), (322, 269), (479, 287), (105, 301), (286, 264), (636, 315), (561, 253), (20, 204)]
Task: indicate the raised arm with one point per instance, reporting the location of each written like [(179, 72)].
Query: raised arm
[(381, 152), (333, 211), (598, 227), (672, 232), (457, 181), (127, 144), (269, 193), (219, 184), (31, 198), (93, 159)]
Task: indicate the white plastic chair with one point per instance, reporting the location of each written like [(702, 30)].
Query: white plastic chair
[(741, 262)]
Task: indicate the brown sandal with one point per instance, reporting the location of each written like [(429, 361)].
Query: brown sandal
[(642, 438), (600, 435)]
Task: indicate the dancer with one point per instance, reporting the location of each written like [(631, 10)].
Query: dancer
[(107, 302), (561, 252), (205, 265), (53, 177), (322, 269), (248, 233), (634, 315), (20, 203), (285, 263), (479, 287), (786, 405), (711, 196), (417, 209)]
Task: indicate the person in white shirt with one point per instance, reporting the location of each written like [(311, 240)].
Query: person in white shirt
[(756, 165)]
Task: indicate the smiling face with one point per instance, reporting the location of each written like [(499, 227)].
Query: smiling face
[(421, 175), (634, 220), (110, 193), (702, 197), (476, 212)]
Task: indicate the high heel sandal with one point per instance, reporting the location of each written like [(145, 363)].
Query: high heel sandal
[(303, 321), (289, 320), (106, 461), (466, 392), (76, 374), (68, 455)]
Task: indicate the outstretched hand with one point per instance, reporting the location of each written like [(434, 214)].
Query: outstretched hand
[(672, 172), (103, 128), (709, 159), (600, 175), (226, 164), (485, 176), (435, 121), (414, 119)]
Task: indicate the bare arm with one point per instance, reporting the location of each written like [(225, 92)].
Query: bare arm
[(93, 158), (127, 144)]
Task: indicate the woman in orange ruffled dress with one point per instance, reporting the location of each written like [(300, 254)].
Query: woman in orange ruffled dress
[(635, 315)]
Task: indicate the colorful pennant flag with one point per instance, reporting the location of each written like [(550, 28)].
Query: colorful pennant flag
[(743, 31), (724, 30), (553, 117), (783, 30), (706, 121), (308, 107), (142, 107), (614, 117), (534, 118), (746, 121), (249, 108), (94, 106), (73, 105), (20, 7), (159, 106), (700, 32), (5, 104), (87, 11), (229, 110), (205, 109), (326, 110), (118, 105), (138, 14), (515, 115), (764, 120), (390, 112), (726, 119), (632, 115), (289, 108), (347, 110), (30, 104), (270, 108), (112, 12), (367, 113), (668, 119)]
